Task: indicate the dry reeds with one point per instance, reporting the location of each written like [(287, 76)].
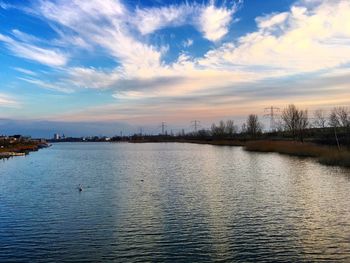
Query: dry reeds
[(325, 155), (340, 158)]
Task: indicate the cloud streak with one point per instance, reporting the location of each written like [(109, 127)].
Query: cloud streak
[(32, 52), (46, 85)]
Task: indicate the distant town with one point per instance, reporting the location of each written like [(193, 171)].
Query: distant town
[(62, 138)]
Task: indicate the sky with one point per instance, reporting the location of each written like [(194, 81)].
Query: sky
[(88, 67)]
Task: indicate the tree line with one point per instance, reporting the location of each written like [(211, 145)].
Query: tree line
[(293, 122)]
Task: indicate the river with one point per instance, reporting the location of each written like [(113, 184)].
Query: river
[(171, 202)]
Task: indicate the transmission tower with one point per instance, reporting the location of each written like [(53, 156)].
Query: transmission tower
[(195, 125), (272, 113), (163, 126)]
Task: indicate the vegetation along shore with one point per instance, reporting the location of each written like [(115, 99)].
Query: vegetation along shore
[(322, 136), (18, 145), (326, 138)]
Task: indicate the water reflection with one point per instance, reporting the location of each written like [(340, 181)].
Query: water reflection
[(171, 202)]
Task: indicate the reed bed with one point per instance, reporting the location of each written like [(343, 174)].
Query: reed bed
[(324, 154), (340, 158)]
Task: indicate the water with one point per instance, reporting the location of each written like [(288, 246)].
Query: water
[(171, 203)]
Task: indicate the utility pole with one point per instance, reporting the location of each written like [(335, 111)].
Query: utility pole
[(141, 131), (196, 125), (271, 114)]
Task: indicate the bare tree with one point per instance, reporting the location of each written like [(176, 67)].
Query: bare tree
[(214, 130), (333, 120), (295, 121), (218, 131), (340, 117), (289, 117), (230, 128), (303, 123), (222, 128), (254, 127), (320, 119)]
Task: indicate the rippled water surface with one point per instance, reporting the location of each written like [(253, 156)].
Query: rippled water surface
[(171, 203)]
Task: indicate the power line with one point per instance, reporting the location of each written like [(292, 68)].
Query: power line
[(272, 114)]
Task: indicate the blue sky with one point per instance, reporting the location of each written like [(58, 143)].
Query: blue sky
[(138, 63)]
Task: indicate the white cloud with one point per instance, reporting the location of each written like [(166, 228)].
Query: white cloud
[(110, 25), (25, 71), (73, 13), (148, 20), (209, 19), (136, 57), (305, 39), (214, 22), (188, 43), (92, 78), (24, 37), (104, 25), (272, 20), (45, 56), (284, 44), (60, 87)]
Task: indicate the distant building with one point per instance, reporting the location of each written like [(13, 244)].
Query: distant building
[(56, 136)]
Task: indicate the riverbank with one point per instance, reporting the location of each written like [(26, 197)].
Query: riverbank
[(328, 155), (13, 149)]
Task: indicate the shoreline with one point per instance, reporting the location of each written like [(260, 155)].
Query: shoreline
[(326, 155), (21, 149)]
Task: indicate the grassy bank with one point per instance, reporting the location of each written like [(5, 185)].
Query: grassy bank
[(325, 154), (19, 149)]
